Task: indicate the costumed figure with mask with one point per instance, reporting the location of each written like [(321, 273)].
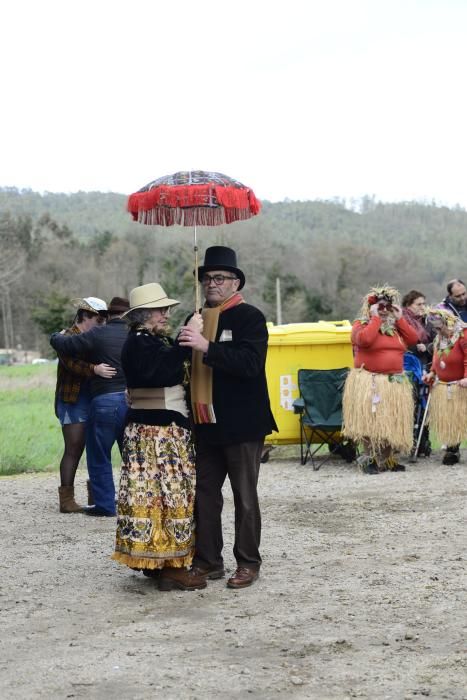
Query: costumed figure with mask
[(378, 402), (448, 404)]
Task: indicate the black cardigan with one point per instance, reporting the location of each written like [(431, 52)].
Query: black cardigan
[(240, 393), (150, 361)]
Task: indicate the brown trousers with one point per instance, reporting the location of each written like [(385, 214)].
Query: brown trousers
[(241, 464)]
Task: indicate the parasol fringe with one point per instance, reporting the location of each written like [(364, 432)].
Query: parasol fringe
[(190, 217), (233, 198), (207, 205)]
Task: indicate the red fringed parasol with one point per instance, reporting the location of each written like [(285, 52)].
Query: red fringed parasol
[(193, 198)]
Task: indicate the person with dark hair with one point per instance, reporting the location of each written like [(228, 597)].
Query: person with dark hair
[(232, 416), (155, 528), (414, 312), (417, 361), (108, 407), (456, 300), (72, 398)]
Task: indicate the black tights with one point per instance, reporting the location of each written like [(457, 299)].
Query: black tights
[(74, 436)]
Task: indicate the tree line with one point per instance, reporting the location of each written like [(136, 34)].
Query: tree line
[(56, 247)]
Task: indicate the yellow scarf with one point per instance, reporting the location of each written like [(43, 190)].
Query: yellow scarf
[(201, 374)]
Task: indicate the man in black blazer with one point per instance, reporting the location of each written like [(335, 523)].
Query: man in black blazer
[(232, 416)]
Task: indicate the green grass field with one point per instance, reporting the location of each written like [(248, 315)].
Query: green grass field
[(30, 434)]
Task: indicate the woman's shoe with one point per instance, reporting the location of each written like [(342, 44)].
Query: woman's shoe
[(66, 496), (181, 579), (451, 458), (151, 573), (367, 465), (397, 468)]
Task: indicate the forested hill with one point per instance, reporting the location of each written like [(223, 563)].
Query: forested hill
[(88, 213), (85, 213), (325, 255)]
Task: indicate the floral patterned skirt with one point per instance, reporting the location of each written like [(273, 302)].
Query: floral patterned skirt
[(156, 497)]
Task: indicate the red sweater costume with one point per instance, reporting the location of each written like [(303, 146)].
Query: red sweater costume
[(455, 362), (378, 352)]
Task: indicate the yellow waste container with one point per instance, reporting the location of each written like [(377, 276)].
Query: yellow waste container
[(294, 346)]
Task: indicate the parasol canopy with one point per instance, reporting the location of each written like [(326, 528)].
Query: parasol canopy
[(193, 197)]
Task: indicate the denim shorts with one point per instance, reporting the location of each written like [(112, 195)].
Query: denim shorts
[(69, 413)]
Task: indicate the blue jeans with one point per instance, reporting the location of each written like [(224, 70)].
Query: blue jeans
[(105, 425)]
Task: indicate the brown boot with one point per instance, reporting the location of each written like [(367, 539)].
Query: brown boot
[(182, 579), (68, 504), (90, 496)]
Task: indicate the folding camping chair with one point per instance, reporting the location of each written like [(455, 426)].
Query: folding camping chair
[(320, 410)]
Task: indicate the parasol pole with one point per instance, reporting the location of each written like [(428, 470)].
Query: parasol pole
[(195, 248)]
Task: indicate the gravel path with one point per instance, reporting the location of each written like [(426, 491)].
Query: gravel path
[(362, 595)]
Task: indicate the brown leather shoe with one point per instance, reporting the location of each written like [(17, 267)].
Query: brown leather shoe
[(182, 579), (211, 574), (243, 577)]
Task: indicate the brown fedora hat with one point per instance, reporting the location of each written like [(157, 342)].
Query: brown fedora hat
[(118, 305)]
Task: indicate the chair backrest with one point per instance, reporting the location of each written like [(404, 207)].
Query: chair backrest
[(321, 391)]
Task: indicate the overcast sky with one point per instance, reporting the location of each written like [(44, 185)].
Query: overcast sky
[(299, 99)]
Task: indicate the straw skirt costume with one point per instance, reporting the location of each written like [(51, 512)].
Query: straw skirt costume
[(448, 404), (378, 401), (157, 484)]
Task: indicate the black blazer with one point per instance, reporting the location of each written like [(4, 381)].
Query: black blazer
[(240, 392)]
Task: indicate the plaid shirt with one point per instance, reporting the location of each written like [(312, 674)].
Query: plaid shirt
[(70, 373)]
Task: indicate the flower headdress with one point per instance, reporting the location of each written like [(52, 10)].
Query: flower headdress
[(443, 345), (448, 319), (383, 293)]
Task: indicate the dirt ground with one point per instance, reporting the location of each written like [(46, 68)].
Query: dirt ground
[(362, 595)]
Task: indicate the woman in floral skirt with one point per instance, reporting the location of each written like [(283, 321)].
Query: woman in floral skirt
[(155, 528)]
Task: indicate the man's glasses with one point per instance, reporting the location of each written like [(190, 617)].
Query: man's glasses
[(217, 279)]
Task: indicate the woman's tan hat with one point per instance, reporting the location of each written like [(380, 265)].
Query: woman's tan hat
[(149, 296)]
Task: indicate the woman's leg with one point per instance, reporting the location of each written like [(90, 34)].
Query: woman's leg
[(367, 460), (383, 456), (74, 436)]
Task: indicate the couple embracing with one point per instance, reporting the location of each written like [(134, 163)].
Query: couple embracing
[(166, 492)]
